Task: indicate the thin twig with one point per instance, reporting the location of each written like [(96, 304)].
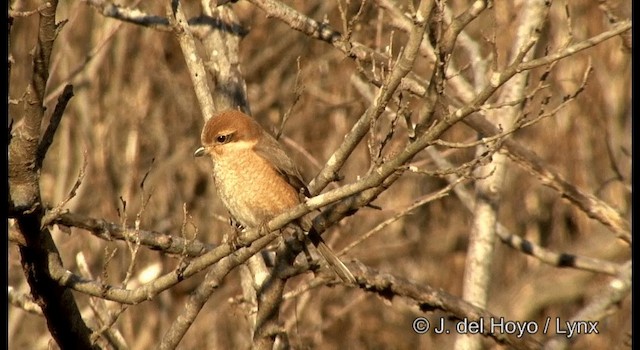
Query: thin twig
[(402, 213), (54, 213), (169, 244), (543, 254)]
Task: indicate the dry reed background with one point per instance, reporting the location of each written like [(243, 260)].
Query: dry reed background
[(134, 112)]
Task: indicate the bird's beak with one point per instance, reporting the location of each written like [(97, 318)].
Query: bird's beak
[(199, 152)]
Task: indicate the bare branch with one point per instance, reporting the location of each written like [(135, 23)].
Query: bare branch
[(401, 68), (232, 258), (47, 137), (154, 240), (402, 213), (359, 130), (23, 301), (51, 215), (131, 15), (39, 252), (618, 29), (428, 299), (198, 74), (220, 33), (599, 308), (14, 13), (592, 206), (269, 290), (514, 241), (480, 253), (102, 313)]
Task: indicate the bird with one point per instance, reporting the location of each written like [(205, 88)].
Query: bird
[(256, 179)]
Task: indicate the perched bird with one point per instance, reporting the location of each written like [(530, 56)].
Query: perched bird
[(255, 179)]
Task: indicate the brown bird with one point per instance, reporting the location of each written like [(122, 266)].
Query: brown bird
[(255, 179)]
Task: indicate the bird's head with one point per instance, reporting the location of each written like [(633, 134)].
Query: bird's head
[(228, 132)]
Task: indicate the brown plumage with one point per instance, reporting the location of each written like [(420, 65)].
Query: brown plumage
[(255, 178)]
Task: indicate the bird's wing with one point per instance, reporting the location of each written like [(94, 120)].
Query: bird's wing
[(275, 155)]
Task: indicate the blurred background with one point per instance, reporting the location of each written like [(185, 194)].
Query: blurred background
[(134, 113)]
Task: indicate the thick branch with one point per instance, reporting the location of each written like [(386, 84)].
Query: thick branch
[(220, 33), (39, 253), (198, 74)]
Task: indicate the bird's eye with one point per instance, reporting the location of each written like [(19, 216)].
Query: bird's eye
[(222, 138)]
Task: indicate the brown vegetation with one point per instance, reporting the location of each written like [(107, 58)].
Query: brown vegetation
[(546, 153)]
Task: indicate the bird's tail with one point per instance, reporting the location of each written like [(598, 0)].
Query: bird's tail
[(334, 262)]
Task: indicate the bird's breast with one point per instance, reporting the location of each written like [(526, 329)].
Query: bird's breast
[(251, 189)]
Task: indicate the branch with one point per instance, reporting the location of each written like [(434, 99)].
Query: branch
[(400, 69), (298, 21), (592, 206), (618, 29), (14, 13), (429, 299), (23, 301), (109, 231), (198, 74), (402, 213), (55, 212), (418, 88), (220, 33), (488, 192), (250, 243), (269, 296), (56, 117), (225, 255), (130, 15), (382, 175), (545, 255), (39, 253), (599, 308)]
